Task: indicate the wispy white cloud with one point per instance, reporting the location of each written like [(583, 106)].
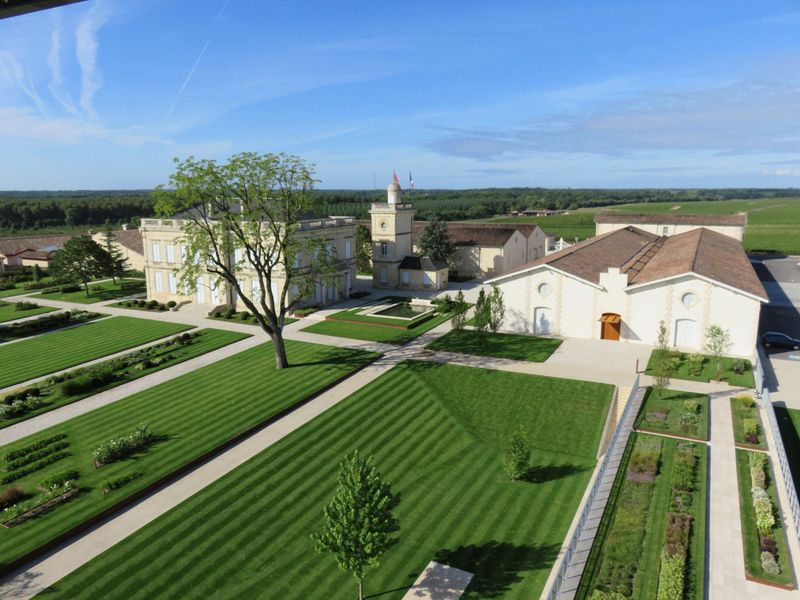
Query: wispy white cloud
[(57, 75), (758, 113), (12, 72), (786, 173), (87, 48)]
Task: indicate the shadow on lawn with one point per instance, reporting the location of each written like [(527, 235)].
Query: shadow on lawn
[(497, 565), (345, 357), (544, 473)]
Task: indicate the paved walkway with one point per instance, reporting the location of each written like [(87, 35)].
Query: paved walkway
[(725, 560)]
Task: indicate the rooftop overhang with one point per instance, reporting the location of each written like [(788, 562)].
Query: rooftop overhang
[(14, 8)]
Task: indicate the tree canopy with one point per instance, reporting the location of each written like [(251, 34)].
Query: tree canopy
[(243, 219), (434, 241), (80, 260)]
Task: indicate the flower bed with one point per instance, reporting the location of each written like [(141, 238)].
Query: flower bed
[(623, 542), (765, 547), (675, 555), (45, 323), (747, 429), (679, 413), (32, 458), (118, 482), (124, 446), (27, 509)]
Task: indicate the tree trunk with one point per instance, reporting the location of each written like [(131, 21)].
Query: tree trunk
[(360, 590), (86, 288), (281, 362)]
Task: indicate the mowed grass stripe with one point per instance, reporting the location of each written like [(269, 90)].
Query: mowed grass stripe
[(248, 534), (67, 348), (196, 413)]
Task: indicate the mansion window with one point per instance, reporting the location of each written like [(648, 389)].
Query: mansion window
[(170, 253), (384, 248), (156, 252)]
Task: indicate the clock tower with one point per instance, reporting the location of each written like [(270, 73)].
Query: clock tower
[(392, 226)]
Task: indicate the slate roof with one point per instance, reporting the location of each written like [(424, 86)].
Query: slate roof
[(671, 219), (131, 239), (646, 257), (421, 263), (11, 246)]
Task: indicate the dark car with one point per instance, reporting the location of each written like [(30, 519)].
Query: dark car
[(774, 339)]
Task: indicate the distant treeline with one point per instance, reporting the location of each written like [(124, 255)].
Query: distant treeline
[(454, 205), (46, 209)]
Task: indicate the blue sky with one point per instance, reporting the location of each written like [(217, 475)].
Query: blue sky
[(103, 93)]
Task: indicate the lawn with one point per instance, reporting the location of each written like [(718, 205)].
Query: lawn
[(99, 292), (434, 431), (375, 333), (709, 370), (51, 393), (748, 431), (679, 413), (9, 312), (646, 499), (193, 414), (750, 535), (25, 359), (789, 424), (500, 345)]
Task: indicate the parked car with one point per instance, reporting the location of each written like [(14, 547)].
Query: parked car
[(775, 339)]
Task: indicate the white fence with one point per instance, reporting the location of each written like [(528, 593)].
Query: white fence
[(623, 430), (780, 450)]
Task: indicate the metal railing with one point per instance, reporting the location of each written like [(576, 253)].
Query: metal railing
[(566, 559), (780, 450), (786, 471)]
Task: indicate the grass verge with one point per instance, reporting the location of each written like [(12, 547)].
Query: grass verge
[(57, 350), (99, 292), (9, 312), (52, 393), (709, 370), (500, 345)]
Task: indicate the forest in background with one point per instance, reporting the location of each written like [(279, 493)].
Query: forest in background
[(47, 211)]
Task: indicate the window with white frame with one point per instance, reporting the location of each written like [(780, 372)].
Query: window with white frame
[(348, 248), (173, 284), (384, 248), (157, 281), (156, 252), (170, 253)]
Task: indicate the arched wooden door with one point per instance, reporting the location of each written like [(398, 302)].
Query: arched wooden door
[(611, 324)]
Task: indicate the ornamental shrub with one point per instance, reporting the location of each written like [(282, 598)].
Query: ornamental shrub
[(765, 517), (750, 426), (516, 455), (768, 544), (745, 401), (671, 577), (123, 446), (11, 496), (244, 315), (32, 468), (171, 304), (118, 482), (758, 471), (69, 288), (59, 479), (601, 595), (696, 362), (14, 454), (692, 406), (13, 465), (89, 381), (20, 306), (676, 534), (683, 470), (769, 564)]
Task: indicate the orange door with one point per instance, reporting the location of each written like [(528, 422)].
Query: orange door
[(611, 325)]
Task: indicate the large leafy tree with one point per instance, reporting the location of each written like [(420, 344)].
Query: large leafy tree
[(359, 520), (363, 249), (118, 264), (81, 259), (434, 241), (250, 208)]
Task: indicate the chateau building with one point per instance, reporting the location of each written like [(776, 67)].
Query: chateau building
[(165, 255)]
